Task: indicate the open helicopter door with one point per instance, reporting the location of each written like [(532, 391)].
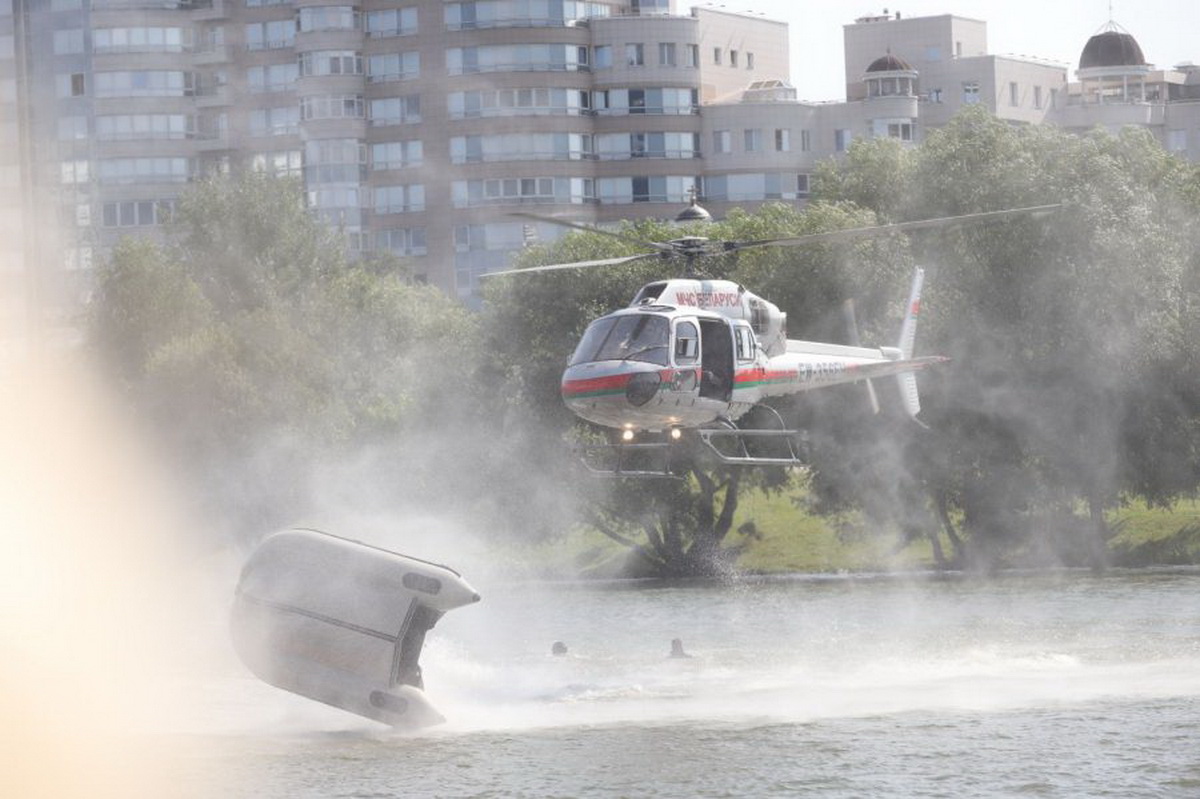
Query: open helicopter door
[(716, 360)]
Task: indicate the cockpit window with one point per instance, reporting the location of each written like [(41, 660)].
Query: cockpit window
[(640, 337), (687, 344)]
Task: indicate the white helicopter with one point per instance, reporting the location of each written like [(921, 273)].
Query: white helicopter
[(694, 354)]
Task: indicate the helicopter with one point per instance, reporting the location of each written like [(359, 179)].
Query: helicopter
[(692, 356)]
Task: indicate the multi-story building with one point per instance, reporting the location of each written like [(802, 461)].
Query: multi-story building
[(419, 126)]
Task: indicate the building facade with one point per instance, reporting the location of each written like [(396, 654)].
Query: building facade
[(417, 127)]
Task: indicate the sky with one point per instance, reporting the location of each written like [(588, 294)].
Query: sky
[(1054, 30)]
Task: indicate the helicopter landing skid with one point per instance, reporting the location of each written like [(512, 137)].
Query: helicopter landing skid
[(647, 459), (750, 447), (735, 445)]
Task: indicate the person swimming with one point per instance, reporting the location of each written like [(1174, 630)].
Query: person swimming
[(677, 649)]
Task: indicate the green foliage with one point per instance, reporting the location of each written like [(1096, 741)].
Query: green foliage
[(1073, 383), (259, 355)]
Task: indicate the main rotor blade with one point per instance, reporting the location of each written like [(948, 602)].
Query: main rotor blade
[(626, 259), (553, 220), (896, 227)]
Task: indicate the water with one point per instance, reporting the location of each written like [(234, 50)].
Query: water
[(1063, 684)]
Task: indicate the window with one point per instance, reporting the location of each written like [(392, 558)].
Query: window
[(667, 144), (783, 140), (144, 170), (145, 83), (522, 147), (401, 241), (722, 141), (141, 40), (733, 58), (1014, 94), (745, 342), (935, 95), (471, 14), (68, 42), (687, 344), (72, 127), (805, 141), (275, 121), (334, 161), (639, 189), (396, 154), (634, 56), (321, 63), (328, 18), (1037, 97), (755, 187), (752, 140), (137, 213), (666, 54), (841, 140), (516, 58), (518, 102), (392, 22), (645, 101), (75, 172), (338, 106), (124, 127), (1177, 141), (498, 191), (395, 110), (70, 85), (717, 56), (970, 93), (749, 60), (602, 56), (273, 78), (1054, 98), (394, 66), (691, 55), (399, 199), (278, 162), (900, 130), (272, 35)]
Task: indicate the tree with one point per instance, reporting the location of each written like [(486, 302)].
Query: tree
[(261, 358), (1072, 386)]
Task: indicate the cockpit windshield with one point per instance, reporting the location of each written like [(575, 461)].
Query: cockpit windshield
[(631, 337)]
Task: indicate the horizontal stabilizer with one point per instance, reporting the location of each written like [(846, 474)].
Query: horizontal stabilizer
[(863, 371)]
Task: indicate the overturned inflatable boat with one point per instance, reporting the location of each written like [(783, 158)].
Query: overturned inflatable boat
[(343, 622)]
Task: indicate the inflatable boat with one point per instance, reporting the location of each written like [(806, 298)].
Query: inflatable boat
[(343, 622)]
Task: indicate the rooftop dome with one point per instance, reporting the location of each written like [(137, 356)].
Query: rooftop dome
[(1111, 47), (890, 63), (693, 213)]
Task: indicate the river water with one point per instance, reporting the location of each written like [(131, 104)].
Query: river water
[(1056, 684)]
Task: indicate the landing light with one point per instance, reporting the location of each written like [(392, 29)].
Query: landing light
[(676, 434), (627, 435)]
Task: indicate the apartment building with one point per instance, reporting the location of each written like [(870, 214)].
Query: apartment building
[(419, 126)]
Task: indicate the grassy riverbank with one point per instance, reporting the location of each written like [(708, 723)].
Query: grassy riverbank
[(790, 539)]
